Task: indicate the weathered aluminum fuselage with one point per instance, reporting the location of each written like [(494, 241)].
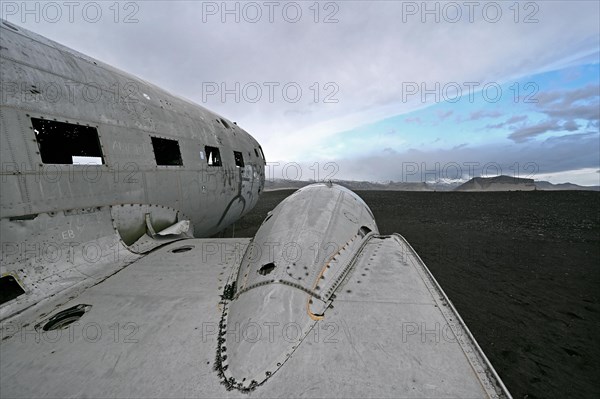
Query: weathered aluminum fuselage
[(54, 215)]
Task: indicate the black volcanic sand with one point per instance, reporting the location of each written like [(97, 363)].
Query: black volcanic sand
[(522, 268)]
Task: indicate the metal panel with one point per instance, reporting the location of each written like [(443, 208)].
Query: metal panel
[(159, 318)]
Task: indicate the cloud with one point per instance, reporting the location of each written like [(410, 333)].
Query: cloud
[(416, 120), (563, 108), (525, 133), (570, 126), (367, 55), (443, 115), (495, 126), (476, 115), (510, 121), (566, 98), (363, 62), (552, 155), (516, 118), (580, 103), (590, 112)]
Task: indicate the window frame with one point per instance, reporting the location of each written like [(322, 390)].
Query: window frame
[(47, 157), (218, 157), (156, 157), (238, 162)]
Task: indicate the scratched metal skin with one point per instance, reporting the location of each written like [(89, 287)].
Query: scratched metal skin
[(54, 216), (169, 310), (310, 240)]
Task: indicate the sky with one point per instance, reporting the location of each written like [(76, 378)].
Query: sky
[(367, 90)]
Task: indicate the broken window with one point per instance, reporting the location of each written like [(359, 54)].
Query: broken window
[(213, 157), (9, 288), (67, 143), (166, 152), (239, 159)]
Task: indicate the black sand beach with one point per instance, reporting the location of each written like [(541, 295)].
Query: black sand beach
[(522, 268)]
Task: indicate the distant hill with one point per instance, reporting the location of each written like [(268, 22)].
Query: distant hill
[(498, 183), (391, 186), (508, 183), (546, 185), (281, 184)]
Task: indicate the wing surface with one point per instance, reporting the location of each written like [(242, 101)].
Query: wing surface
[(151, 330)]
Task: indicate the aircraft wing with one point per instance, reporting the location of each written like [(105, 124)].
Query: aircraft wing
[(141, 337), (391, 333), (153, 331)]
